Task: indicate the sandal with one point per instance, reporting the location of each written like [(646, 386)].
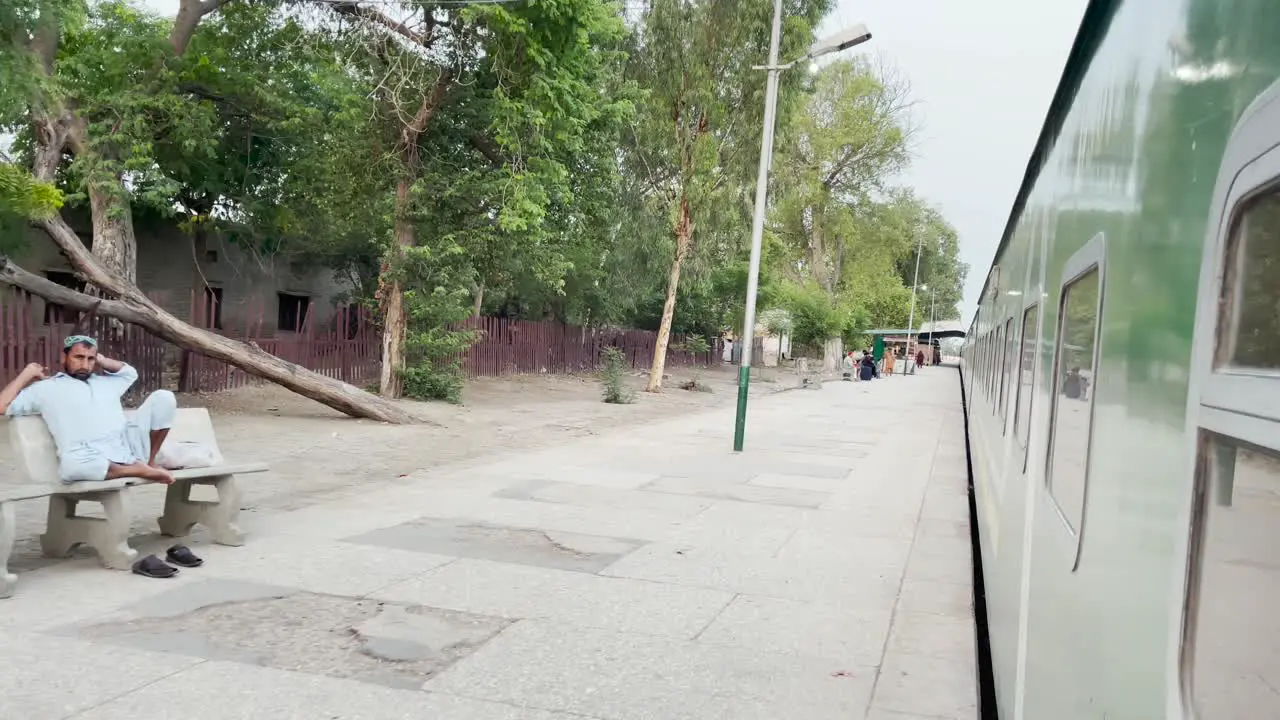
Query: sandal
[(153, 567), (182, 555)]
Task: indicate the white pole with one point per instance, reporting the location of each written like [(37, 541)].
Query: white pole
[(933, 320), (757, 225), (912, 318)]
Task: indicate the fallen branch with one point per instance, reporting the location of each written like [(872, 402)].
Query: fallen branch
[(135, 308)]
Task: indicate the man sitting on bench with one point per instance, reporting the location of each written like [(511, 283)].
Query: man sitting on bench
[(82, 409)]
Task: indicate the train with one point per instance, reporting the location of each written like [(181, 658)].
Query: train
[(1122, 380)]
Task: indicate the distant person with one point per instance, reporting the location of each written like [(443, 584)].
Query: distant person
[(867, 367), (920, 359), (1073, 385)]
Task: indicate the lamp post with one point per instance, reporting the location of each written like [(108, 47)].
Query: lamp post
[(911, 319), (933, 320), (843, 40)]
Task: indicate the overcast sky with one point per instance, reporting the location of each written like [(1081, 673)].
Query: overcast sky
[(983, 73)]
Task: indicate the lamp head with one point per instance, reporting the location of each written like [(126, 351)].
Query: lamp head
[(853, 35)]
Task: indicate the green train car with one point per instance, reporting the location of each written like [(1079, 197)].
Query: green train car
[(1122, 378)]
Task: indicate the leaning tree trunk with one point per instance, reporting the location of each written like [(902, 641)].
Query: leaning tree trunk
[(132, 306), (684, 236)]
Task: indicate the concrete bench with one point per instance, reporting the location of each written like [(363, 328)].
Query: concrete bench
[(109, 535)]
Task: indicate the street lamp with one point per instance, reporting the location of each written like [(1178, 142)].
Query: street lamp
[(843, 40)]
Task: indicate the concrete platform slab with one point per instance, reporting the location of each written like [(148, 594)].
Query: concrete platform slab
[(573, 598), (619, 676)]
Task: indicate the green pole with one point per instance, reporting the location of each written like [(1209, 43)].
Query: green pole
[(740, 419)]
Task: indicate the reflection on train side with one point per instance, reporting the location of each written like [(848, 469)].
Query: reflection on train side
[(1232, 652)]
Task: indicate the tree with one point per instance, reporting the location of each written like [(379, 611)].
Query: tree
[(97, 91), (851, 136), (539, 64), (697, 125)]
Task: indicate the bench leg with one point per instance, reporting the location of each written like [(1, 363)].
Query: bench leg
[(181, 513), (7, 538), (108, 536)]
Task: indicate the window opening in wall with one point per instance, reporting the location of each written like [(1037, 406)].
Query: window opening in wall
[(1250, 331), (212, 310), (1026, 375), (1071, 431), (55, 313), (1229, 666), (293, 312)]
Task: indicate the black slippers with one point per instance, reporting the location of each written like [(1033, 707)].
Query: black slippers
[(153, 567), (182, 555)]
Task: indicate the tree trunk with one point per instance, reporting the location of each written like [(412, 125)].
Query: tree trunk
[(114, 243), (817, 246), (134, 307), (684, 236), (478, 303), (395, 321), (394, 331)]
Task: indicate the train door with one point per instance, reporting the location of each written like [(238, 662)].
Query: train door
[(1227, 664)]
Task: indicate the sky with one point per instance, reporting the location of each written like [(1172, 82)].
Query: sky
[(983, 73)]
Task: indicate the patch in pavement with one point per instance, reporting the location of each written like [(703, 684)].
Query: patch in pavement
[(481, 541), (390, 644), (734, 470), (744, 492)]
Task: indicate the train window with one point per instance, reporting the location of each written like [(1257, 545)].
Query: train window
[(1251, 330), (1232, 630), (1070, 433), (1026, 376), (1005, 352), (994, 370)]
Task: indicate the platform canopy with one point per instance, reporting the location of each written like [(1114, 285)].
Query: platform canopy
[(928, 331)]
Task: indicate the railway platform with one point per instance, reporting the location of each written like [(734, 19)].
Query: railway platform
[(823, 574)]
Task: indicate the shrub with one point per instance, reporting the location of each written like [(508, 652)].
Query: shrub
[(613, 378), (432, 368)]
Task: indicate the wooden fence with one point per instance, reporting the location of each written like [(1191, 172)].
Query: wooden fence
[(347, 347), (518, 347), (27, 336)]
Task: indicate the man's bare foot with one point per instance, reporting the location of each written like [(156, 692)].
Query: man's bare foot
[(141, 471), (157, 474)]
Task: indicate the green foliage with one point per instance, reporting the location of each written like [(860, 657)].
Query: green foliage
[(813, 318), (436, 300), (613, 378), (547, 184), (695, 344), (841, 227), (433, 369), (21, 196)]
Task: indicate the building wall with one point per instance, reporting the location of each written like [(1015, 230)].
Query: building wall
[(170, 267)]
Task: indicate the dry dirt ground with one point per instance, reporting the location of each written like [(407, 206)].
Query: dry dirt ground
[(316, 453)]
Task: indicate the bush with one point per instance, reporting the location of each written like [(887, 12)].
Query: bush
[(813, 319), (613, 378), (432, 368)]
